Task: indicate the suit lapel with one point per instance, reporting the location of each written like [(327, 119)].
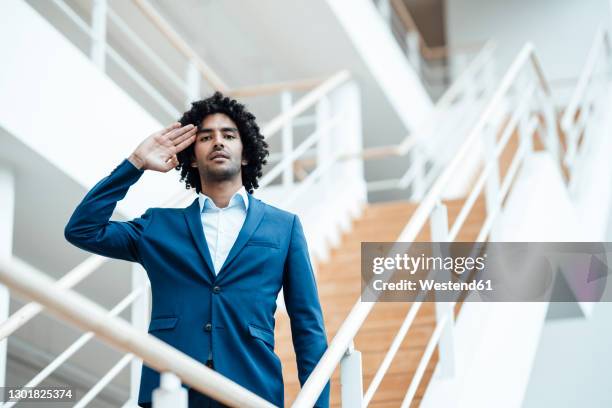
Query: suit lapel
[(253, 218), (192, 216)]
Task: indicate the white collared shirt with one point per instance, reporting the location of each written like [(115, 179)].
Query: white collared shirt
[(222, 225)]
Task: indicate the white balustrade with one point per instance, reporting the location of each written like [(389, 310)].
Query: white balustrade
[(7, 220), (351, 378), (98, 30), (170, 394)]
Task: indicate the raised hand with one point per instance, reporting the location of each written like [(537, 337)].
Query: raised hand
[(158, 151)]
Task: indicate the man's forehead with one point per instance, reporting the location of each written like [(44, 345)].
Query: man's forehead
[(217, 121), (220, 128)]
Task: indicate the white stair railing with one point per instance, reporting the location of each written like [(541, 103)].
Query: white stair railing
[(448, 122), (586, 104), (343, 97), (84, 313), (177, 89), (523, 96), (436, 66)]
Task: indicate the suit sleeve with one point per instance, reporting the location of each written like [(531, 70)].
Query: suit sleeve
[(90, 228), (302, 302)]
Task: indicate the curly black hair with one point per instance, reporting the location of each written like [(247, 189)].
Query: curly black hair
[(254, 147)]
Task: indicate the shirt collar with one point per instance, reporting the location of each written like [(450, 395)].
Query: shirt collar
[(240, 197)]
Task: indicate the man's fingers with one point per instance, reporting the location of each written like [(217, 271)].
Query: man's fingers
[(186, 142), (180, 131), (171, 127), (172, 163), (180, 139)]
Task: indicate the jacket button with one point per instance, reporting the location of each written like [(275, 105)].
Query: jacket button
[(208, 327), (216, 289)]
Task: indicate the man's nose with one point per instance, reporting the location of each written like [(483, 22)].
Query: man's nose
[(217, 139)]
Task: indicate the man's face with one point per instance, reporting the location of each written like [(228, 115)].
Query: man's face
[(218, 149)]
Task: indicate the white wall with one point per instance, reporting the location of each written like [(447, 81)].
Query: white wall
[(562, 30), (507, 354), (385, 59), (496, 343), (573, 363), (55, 101), (574, 358)]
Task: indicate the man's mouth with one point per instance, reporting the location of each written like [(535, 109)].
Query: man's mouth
[(219, 156)]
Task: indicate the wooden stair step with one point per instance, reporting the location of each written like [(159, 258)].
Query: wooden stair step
[(339, 286)]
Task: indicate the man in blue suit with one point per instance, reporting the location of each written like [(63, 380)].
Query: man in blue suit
[(217, 266)]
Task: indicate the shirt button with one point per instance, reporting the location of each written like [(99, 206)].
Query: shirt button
[(208, 327), (216, 289)]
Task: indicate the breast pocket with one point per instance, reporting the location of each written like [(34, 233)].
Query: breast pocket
[(266, 244), (163, 323)]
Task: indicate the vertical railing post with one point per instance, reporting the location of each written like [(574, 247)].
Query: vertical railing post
[(413, 47), (526, 139), (351, 379), (324, 154), (446, 344), (7, 218), (384, 7), (355, 122), (140, 320), (98, 29), (193, 83), (170, 393), (458, 63), (418, 183), (492, 185), (471, 83), (346, 175), (552, 134), (354, 168), (323, 116), (490, 81), (287, 138)]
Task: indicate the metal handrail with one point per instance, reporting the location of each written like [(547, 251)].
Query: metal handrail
[(157, 354), (427, 52), (351, 325), (306, 102), (175, 39), (578, 111), (601, 40), (162, 101), (182, 47), (457, 88), (429, 349), (390, 355), (72, 278), (92, 263), (287, 161), (420, 216), (77, 344), (208, 73), (85, 268), (146, 49)]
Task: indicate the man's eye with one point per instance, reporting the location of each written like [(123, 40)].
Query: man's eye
[(230, 136), (205, 138)]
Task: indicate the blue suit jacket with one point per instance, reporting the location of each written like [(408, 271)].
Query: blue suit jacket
[(230, 315)]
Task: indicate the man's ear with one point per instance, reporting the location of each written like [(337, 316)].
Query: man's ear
[(194, 162), (244, 162)]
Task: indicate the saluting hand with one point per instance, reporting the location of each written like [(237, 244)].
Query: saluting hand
[(158, 151)]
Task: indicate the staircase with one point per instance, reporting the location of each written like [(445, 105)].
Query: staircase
[(339, 286)]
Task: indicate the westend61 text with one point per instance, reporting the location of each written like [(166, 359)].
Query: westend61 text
[(406, 285)]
